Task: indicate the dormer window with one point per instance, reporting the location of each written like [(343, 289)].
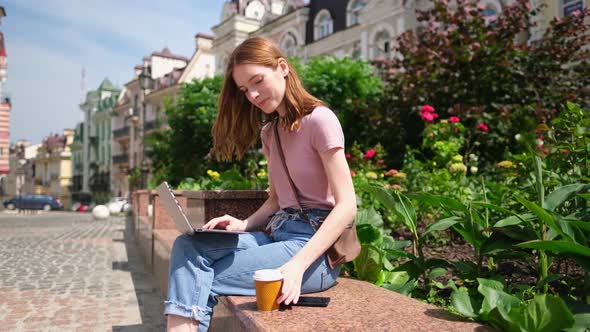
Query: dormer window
[(354, 11), (382, 45), (323, 24), (289, 44), (255, 10)]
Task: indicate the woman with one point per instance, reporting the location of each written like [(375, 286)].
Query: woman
[(259, 79)]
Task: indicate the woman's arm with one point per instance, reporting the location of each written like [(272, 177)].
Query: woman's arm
[(344, 211), (253, 222)]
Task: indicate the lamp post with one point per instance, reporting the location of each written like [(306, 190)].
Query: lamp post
[(145, 83)]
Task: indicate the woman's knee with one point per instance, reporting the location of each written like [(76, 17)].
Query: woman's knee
[(181, 244)]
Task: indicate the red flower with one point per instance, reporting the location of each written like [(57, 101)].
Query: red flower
[(428, 117), (352, 173), (427, 109), (483, 127), (348, 156), (565, 151), (369, 154), (391, 172), (454, 119)]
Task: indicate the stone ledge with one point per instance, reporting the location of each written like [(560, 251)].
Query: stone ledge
[(355, 305)]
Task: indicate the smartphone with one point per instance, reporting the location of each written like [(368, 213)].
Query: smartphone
[(309, 301)]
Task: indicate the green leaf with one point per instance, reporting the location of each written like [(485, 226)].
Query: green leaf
[(369, 234), (398, 278), (546, 313), (514, 220), (436, 272), (562, 194), (557, 246), (584, 225), (404, 289), (369, 216), (441, 225), (494, 296), (444, 201), (585, 196), (496, 242), (463, 303), (543, 215), (368, 263)]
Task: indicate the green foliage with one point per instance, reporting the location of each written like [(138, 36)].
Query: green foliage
[(509, 313), (350, 87), (482, 73)]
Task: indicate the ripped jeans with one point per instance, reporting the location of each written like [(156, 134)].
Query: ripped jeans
[(204, 266)]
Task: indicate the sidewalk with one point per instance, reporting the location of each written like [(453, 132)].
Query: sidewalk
[(63, 271)]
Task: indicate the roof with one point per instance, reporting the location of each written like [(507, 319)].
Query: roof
[(165, 53), (106, 85), (204, 35)]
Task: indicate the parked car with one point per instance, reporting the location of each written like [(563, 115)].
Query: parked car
[(33, 201)]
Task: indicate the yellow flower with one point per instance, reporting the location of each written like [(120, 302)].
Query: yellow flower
[(401, 175), (262, 173), (457, 168), (543, 127), (505, 164), (213, 174), (372, 175)]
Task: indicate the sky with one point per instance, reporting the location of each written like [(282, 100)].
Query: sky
[(48, 42)]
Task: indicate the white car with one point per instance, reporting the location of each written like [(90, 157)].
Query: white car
[(117, 205)]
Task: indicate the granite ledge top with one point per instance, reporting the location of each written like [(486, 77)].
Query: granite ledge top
[(355, 306)]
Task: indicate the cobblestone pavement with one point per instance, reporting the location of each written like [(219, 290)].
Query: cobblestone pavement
[(63, 271)]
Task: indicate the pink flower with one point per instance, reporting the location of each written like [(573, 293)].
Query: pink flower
[(428, 117), (369, 154), (427, 109), (348, 156), (454, 119), (391, 172), (396, 187), (483, 127), (352, 173), (565, 151)]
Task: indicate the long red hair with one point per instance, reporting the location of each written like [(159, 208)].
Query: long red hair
[(239, 122)]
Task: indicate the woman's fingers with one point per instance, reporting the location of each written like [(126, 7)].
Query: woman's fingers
[(211, 224)]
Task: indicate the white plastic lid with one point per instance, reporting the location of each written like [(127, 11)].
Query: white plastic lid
[(268, 275)]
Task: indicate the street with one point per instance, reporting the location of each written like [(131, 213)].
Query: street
[(62, 271)]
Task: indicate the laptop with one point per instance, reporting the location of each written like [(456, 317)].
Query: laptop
[(177, 213)]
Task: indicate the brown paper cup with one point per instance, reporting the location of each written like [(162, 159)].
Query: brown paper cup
[(268, 287)]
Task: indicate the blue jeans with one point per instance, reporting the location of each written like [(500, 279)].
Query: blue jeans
[(204, 266)]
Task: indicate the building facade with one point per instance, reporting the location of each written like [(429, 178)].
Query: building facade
[(53, 167), (20, 179), (93, 143), (361, 29), (138, 111)]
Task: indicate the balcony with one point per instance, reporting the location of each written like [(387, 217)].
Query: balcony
[(93, 139), (121, 159), (121, 132)]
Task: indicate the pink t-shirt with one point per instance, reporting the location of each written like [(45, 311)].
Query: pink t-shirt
[(320, 131)]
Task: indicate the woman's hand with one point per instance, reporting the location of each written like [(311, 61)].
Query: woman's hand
[(226, 222), (292, 280)]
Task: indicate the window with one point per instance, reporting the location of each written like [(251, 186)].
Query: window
[(289, 44), (323, 24), (356, 51), (255, 10), (382, 45), (354, 11), (569, 7)]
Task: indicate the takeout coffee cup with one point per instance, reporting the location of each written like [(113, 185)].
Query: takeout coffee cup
[(268, 287)]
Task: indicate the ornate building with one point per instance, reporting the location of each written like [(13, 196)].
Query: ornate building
[(53, 167), (92, 144), (365, 29)]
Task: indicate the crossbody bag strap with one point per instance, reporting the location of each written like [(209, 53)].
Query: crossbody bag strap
[(282, 155)]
